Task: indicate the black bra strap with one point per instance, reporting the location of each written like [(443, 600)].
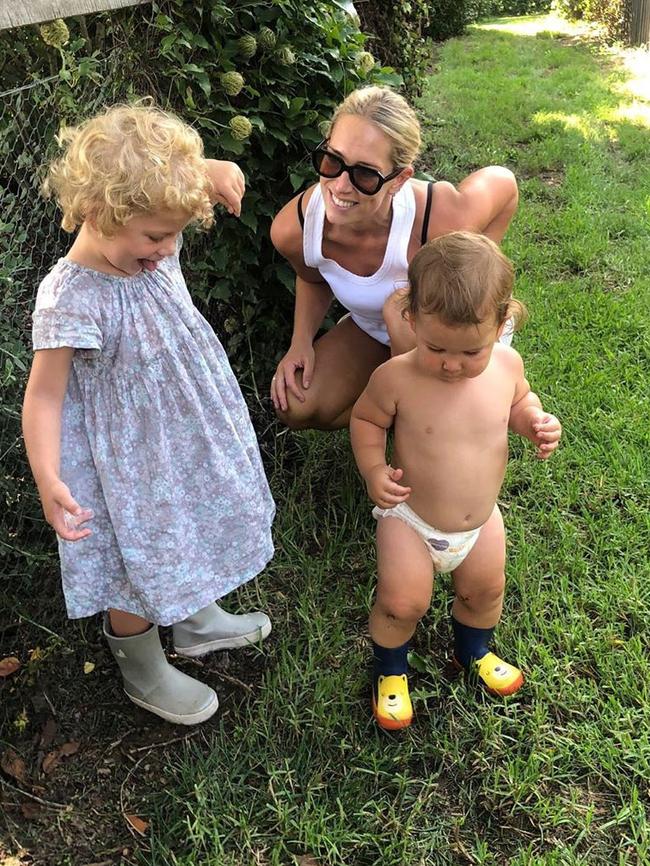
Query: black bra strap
[(427, 214), (301, 215)]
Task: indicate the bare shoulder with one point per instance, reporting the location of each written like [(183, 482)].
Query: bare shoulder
[(393, 373), (474, 203), (286, 230), (508, 360)]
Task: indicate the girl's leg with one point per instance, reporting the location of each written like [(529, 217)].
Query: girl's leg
[(479, 585), (125, 624), (149, 680), (345, 358), (404, 587), (212, 628)]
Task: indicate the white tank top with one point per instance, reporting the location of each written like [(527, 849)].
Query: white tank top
[(364, 297)]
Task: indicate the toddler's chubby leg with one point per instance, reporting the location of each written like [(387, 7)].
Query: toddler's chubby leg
[(405, 583), (212, 628), (479, 584)]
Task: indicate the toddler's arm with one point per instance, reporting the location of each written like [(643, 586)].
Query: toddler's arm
[(372, 416), (528, 418), (42, 406), (228, 184)]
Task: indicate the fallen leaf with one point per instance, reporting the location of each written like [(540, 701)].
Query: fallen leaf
[(50, 761), (53, 758), (47, 734), (30, 810), (138, 824), (89, 667), (8, 666), (13, 765)]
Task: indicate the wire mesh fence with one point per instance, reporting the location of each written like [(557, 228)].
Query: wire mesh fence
[(30, 240)]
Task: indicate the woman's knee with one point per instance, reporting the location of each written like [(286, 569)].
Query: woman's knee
[(310, 415)]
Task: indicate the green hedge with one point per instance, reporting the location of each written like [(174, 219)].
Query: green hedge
[(449, 18), (612, 15)]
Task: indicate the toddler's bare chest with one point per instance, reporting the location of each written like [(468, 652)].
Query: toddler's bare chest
[(480, 421)]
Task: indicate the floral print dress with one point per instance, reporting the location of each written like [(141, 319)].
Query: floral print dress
[(157, 440)]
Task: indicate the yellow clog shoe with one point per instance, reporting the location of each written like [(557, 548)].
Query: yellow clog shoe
[(392, 708), (498, 676)]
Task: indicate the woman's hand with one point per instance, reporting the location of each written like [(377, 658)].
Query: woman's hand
[(228, 184), (299, 357), (63, 512)]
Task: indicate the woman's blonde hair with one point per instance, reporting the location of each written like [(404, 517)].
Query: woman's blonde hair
[(465, 279), (129, 160), (391, 113)]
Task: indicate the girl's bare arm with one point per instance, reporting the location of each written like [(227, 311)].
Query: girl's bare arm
[(42, 409)]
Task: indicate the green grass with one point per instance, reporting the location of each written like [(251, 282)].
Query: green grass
[(560, 774)]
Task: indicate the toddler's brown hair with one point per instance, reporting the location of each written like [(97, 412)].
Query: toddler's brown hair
[(464, 278)]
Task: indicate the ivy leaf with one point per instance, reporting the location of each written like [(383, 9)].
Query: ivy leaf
[(417, 662)]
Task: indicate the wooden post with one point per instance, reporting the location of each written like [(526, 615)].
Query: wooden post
[(640, 22), (16, 13)]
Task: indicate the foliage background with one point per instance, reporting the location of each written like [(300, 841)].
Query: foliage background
[(613, 15)]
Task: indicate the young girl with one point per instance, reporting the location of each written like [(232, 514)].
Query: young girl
[(136, 431)]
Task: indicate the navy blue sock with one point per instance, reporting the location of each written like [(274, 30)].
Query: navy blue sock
[(388, 661), (470, 643)]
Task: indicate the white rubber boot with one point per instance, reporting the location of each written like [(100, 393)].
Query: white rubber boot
[(213, 628), (153, 684)]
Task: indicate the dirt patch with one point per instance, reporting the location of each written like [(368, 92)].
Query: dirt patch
[(78, 761)]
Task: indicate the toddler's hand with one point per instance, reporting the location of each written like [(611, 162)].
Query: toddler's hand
[(383, 488), (546, 431), (228, 184), (64, 514)]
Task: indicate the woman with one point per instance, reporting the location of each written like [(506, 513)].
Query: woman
[(352, 236)]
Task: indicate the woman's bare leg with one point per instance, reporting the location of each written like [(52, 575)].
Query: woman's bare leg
[(345, 358)]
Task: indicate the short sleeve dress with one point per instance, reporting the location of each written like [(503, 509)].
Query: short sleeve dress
[(157, 440)]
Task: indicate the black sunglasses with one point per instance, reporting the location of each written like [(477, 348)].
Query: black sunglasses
[(367, 180)]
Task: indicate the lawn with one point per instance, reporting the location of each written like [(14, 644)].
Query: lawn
[(293, 770)]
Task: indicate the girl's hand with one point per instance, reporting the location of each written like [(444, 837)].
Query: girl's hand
[(64, 514), (383, 488), (297, 358), (545, 433), (228, 184)]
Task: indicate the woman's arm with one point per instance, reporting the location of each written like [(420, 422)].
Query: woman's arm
[(42, 408), (484, 202), (313, 299)]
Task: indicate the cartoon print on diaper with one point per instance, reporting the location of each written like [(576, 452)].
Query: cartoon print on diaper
[(439, 544)]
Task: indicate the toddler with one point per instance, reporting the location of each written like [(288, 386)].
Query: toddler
[(451, 401), (136, 431)]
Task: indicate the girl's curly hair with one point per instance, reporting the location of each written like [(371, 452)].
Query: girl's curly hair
[(129, 160)]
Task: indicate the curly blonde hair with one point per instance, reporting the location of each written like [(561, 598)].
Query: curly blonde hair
[(129, 160), (391, 113), (464, 278)]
